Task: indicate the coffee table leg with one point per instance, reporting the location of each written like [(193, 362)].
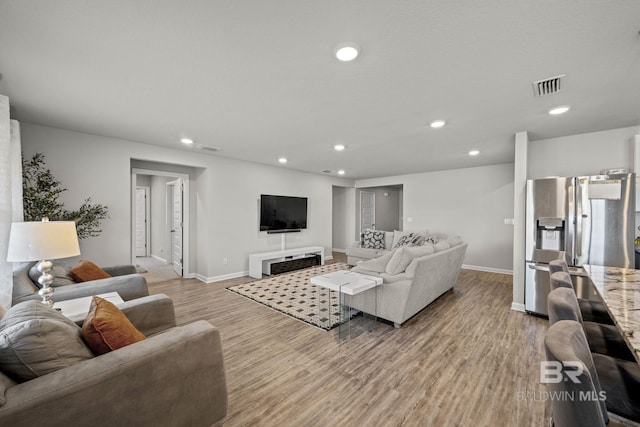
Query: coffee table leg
[(344, 332), (370, 316)]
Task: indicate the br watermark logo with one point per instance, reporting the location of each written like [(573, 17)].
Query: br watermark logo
[(553, 372)]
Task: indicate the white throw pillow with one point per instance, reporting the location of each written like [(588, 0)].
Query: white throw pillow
[(403, 256), (441, 246), (454, 240), (379, 265)]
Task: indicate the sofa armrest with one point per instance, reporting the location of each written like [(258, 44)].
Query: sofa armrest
[(174, 378), (151, 314), (129, 287), (121, 270)]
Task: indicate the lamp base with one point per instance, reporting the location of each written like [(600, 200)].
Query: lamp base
[(45, 280)]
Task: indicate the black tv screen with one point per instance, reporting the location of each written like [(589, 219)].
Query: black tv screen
[(282, 213)]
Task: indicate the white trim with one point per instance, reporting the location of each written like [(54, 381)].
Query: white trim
[(342, 251), (516, 306), (185, 210), (328, 257), (487, 269), (221, 277)]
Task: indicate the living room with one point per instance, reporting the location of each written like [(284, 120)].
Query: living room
[(103, 94)]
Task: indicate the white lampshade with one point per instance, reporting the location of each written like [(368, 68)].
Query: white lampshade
[(36, 241)]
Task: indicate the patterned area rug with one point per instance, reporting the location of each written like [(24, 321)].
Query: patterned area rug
[(294, 295)]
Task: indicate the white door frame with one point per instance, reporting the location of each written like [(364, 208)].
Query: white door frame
[(147, 222), (186, 272)]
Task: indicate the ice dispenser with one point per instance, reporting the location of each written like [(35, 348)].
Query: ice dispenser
[(550, 234)]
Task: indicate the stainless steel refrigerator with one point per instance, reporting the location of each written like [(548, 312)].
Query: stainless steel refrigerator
[(585, 220)]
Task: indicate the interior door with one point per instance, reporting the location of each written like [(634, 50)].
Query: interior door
[(142, 214), (175, 190), (367, 210)]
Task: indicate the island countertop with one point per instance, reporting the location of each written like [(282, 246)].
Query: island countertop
[(619, 288)]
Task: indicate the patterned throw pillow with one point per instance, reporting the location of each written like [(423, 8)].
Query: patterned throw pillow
[(430, 240), (373, 239), (408, 240)]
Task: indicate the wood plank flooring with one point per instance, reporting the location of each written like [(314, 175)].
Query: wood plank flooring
[(466, 360)]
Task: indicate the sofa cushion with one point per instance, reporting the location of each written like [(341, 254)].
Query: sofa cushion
[(60, 273), (106, 328), (403, 256), (393, 278), (5, 383), (373, 239), (454, 240), (441, 246), (36, 340), (86, 271), (378, 264), (358, 269)]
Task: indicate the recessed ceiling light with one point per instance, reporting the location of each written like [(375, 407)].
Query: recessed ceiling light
[(474, 152), (559, 110), (340, 172), (187, 141), (437, 123), (338, 147), (346, 52), (282, 160)]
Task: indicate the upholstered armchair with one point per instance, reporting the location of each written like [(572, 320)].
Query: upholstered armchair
[(125, 281), (174, 377)]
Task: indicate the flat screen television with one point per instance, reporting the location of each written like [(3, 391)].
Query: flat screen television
[(282, 213)]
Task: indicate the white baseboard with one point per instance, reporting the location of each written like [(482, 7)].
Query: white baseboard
[(342, 251), (516, 306), (487, 269), (221, 277), (328, 257)]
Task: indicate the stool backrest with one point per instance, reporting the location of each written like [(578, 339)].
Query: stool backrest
[(558, 265), (575, 397), (560, 279), (562, 304)]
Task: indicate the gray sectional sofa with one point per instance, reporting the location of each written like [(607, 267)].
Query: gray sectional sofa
[(430, 272)]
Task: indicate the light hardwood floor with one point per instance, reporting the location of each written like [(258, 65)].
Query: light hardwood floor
[(466, 360)]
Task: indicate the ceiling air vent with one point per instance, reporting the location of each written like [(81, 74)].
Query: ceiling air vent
[(327, 171), (548, 86), (209, 149)]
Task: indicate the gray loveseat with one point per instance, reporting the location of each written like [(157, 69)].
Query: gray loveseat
[(174, 377), (125, 281), (404, 294)]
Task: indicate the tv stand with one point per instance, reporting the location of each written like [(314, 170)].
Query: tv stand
[(284, 260)]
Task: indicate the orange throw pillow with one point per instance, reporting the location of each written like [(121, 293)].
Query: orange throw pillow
[(85, 271), (106, 328)]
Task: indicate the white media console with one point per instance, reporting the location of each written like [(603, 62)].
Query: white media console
[(262, 263)]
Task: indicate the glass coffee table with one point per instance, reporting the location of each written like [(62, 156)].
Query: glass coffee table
[(348, 283)]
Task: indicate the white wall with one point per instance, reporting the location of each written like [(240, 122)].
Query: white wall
[(583, 154), (470, 202), (343, 219), (225, 202)]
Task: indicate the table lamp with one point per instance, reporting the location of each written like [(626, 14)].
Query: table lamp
[(43, 241)]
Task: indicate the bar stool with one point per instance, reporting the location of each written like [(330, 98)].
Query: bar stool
[(592, 311), (603, 339), (564, 342)]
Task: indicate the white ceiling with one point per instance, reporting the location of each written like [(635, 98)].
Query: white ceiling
[(258, 78)]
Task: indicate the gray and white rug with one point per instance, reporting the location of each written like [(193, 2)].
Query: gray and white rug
[(294, 295)]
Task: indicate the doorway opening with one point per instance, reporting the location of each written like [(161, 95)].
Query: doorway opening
[(166, 229), (379, 208)]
